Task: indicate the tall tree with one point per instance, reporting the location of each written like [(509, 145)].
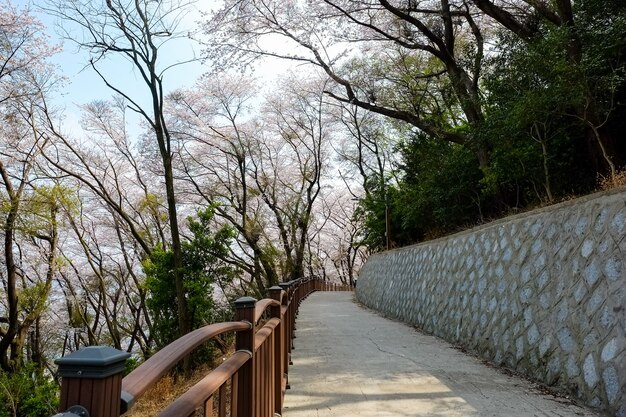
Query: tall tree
[(215, 133), (289, 170), (122, 219), (137, 32), (29, 210), (342, 237), (418, 62), (585, 39), (368, 152), (262, 174)]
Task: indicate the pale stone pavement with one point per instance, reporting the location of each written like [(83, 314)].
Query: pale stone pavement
[(348, 361)]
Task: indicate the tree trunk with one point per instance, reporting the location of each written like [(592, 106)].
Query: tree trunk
[(183, 309), (11, 278)]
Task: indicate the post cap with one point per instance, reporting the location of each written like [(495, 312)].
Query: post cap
[(93, 362), (245, 302), (275, 288), (284, 285)]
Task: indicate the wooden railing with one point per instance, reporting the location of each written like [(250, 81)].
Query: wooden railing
[(250, 383)]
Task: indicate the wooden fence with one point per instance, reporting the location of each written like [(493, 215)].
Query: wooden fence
[(250, 383)]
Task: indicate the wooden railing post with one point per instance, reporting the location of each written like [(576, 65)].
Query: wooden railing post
[(290, 316), (245, 401), (279, 350), (92, 378)]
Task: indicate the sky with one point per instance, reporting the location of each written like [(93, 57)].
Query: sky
[(83, 85)]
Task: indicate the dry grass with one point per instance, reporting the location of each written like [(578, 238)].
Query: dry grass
[(165, 392), (607, 183), (170, 387)]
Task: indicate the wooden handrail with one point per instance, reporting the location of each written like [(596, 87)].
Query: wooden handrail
[(265, 332), (139, 380), (257, 371), (262, 306), (195, 397)]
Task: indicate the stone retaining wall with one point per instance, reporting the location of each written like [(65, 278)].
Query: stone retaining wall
[(542, 293)]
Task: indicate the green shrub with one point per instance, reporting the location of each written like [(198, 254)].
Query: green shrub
[(28, 393)]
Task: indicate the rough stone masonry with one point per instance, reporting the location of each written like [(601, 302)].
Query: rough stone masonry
[(542, 293)]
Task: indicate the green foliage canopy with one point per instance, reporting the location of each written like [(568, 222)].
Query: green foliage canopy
[(554, 109), (202, 255)]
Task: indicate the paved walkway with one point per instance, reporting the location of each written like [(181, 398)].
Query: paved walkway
[(349, 361)]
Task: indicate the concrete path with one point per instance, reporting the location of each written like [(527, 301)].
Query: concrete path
[(349, 361)]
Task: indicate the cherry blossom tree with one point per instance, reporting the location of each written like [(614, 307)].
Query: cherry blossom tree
[(137, 33), (262, 174), (31, 205), (416, 62), (122, 218)]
